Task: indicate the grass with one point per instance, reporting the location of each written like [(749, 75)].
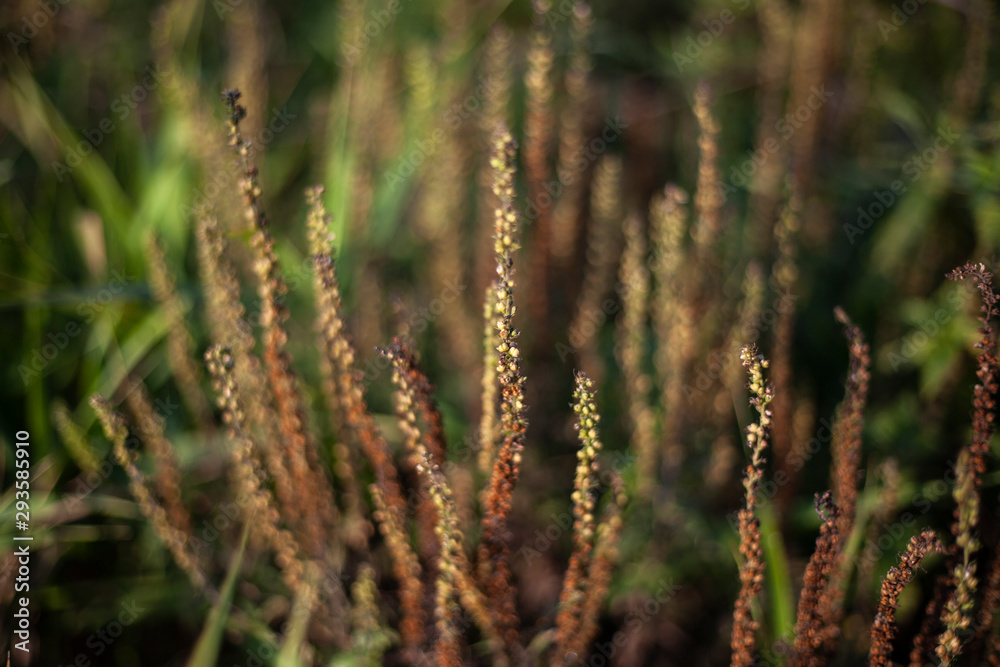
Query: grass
[(267, 464)]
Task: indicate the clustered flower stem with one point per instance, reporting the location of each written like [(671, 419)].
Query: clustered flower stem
[(884, 628), (173, 536), (311, 486), (810, 629), (494, 550), (336, 366), (744, 638), (631, 347), (957, 613), (346, 396), (574, 622), (253, 480), (278, 469)]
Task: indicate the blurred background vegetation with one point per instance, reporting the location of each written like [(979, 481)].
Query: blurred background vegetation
[(110, 128)]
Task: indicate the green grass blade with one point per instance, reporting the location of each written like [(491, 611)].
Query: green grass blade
[(302, 608), (44, 128), (779, 575), (206, 651)]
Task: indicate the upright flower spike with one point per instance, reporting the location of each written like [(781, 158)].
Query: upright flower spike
[(708, 200), (421, 398), (337, 359), (984, 394), (454, 577), (633, 334), (496, 68), (359, 426), (538, 130), (574, 592), (671, 314), (602, 564), (784, 275), (884, 627), (405, 565), (957, 615), (494, 551), (176, 540), (224, 311), (304, 464), (488, 426), (454, 581), (744, 637), (252, 478), (846, 444), (846, 451), (180, 343), (565, 217), (167, 479), (603, 244), (810, 628), (228, 325), (411, 406)]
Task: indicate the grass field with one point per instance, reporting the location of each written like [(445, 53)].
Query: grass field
[(499, 333)]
